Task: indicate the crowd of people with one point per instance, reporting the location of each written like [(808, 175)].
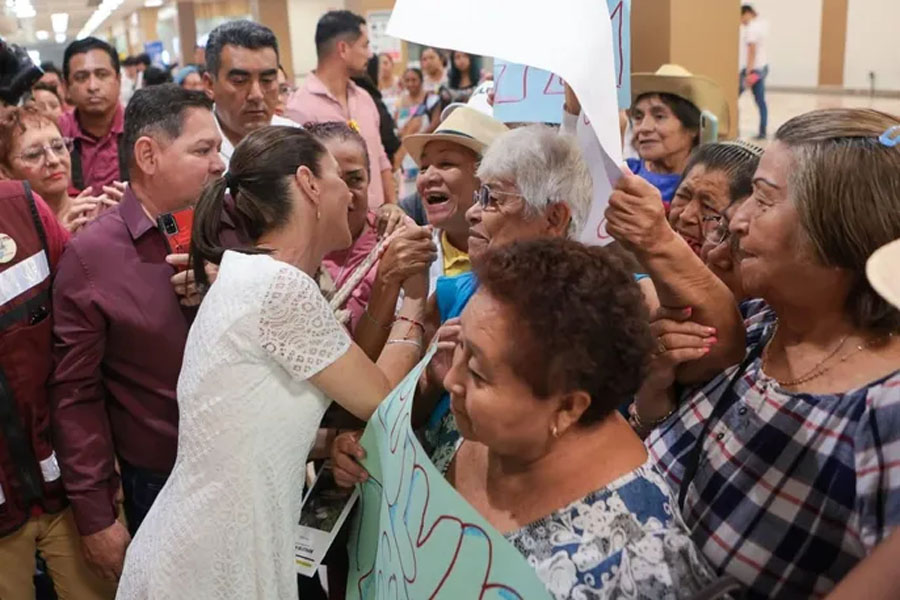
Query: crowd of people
[(709, 407)]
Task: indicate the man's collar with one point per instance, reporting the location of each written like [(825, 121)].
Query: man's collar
[(132, 211), (117, 127), (316, 86)]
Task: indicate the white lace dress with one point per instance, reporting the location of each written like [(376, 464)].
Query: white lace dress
[(223, 525)]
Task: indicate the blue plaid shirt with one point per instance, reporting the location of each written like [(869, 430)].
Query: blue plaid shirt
[(792, 489)]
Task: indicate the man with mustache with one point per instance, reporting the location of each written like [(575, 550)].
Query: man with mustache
[(91, 71), (242, 79)]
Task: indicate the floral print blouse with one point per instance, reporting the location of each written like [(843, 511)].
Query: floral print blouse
[(625, 540)]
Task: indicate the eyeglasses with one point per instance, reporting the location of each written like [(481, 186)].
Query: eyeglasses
[(37, 154), (485, 197), (716, 229)]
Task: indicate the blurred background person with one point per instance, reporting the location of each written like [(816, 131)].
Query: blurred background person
[(388, 82), (190, 78), (465, 75), (45, 97), (434, 69), (53, 76), (754, 63), (285, 89), (154, 75)]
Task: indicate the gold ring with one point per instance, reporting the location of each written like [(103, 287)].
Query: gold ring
[(661, 346)]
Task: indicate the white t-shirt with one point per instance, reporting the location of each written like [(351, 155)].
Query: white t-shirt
[(754, 33), (228, 148)]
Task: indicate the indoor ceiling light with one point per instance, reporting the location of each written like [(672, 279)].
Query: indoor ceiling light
[(153, 3), (106, 8), (24, 9), (60, 38), (60, 22), (42, 34)]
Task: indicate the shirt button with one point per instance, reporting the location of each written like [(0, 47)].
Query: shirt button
[(719, 436), (742, 411)]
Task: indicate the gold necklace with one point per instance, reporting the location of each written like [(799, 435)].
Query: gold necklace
[(818, 370)]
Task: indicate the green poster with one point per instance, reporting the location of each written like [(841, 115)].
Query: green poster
[(413, 537)]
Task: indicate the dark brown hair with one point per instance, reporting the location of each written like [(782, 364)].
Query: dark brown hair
[(846, 187), (338, 130), (259, 181), (580, 319), (684, 110)]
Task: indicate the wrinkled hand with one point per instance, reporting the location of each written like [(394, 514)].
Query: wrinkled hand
[(83, 209), (105, 550), (572, 105), (447, 337), (636, 216), (345, 452), (410, 252), (184, 283), (390, 217), (677, 340)]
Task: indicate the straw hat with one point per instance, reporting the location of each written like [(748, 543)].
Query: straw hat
[(465, 126), (883, 271), (702, 92)]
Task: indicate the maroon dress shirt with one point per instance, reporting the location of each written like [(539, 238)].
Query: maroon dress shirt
[(119, 336), (99, 156)]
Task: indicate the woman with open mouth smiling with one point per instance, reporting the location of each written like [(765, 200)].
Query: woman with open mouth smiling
[(447, 182)]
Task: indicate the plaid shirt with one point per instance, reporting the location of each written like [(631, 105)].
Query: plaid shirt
[(791, 490)]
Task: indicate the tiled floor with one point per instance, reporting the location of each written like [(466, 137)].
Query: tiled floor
[(783, 106)]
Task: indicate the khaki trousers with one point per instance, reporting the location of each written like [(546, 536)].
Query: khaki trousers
[(58, 542)]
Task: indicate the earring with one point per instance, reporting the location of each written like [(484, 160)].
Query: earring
[(318, 215), (554, 431)]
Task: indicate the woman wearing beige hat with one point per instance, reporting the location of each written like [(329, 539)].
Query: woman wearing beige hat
[(665, 120), (448, 160)]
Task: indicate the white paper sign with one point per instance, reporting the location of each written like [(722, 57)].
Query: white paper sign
[(572, 38)]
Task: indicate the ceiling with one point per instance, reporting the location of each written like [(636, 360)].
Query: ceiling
[(22, 30)]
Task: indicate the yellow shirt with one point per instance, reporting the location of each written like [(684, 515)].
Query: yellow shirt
[(456, 262)]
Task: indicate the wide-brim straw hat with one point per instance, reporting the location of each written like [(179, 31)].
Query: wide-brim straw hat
[(465, 126), (883, 271), (702, 92)]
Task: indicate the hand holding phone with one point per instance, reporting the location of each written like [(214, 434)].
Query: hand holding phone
[(176, 229)]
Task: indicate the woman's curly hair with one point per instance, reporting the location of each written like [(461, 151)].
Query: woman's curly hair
[(577, 320)]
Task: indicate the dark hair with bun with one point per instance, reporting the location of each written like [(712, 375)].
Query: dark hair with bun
[(259, 181), (580, 322)]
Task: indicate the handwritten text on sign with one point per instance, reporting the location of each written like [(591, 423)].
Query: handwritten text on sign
[(529, 95)]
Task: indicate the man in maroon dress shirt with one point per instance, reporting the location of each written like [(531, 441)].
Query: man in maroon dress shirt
[(120, 329)]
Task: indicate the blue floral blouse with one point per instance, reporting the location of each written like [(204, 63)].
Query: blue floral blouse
[(621, 541)]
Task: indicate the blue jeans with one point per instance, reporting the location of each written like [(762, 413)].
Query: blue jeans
[(140, 487), (759, 94)]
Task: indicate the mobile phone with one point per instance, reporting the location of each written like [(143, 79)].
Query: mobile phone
[(709, 128), (176, 229)]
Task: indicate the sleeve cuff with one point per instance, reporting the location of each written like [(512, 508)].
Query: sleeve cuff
[(93, 511)]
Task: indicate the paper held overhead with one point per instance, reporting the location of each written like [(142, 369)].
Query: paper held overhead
[(571, 38)]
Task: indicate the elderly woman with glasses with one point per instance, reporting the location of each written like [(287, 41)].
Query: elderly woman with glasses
[(787, 462), (33, 149)]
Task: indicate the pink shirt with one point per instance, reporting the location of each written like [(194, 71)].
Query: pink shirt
[(341, 264), (313, 103), (99, 156)]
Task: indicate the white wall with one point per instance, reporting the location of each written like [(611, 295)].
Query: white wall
[(302, 18), (795, 31), (873, 44)]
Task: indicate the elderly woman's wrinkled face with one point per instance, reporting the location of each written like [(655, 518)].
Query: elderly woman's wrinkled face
[(504, 220), (351, 159), (719, 257), (658, 133), (491, 404), (772, 245), (700, 201), (447, 183)]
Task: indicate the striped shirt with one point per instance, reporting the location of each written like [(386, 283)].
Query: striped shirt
[(792, 489)]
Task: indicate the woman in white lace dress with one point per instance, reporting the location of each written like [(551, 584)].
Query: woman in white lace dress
[(263, 358)]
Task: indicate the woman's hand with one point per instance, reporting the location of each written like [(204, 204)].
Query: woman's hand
[(388, 218), (183, 281), (447, 337), (636, 215), (345, 452), (406, 260), (678, 340), (82, 210), (115, 191)]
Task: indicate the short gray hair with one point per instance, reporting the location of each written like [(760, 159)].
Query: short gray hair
[(546, 166)]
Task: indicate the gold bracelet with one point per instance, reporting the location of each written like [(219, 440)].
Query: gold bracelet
[(635, 418)]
